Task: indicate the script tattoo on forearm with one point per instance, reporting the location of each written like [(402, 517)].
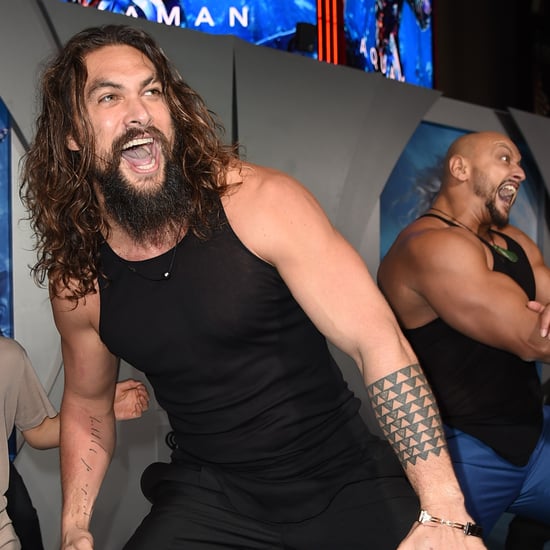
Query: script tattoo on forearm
[(85, 510), (95, 439), (95, 432), (406, 410)]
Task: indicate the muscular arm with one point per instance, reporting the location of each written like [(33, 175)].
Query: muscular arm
[(87, 419), (282, 223), (449, 271), (541, 304)]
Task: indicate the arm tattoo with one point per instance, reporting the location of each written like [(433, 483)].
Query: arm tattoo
[(84, 491), (95, 433), (405, 408), (95, 439)]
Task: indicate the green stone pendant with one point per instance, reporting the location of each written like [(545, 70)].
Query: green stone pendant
[(508, 254)]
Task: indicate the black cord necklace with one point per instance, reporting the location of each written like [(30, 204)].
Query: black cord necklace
[(504, 252), (165, 274)]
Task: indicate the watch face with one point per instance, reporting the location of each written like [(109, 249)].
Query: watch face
[(424, 517)]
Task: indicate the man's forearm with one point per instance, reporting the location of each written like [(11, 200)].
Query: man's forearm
[(408, 414), (405, 408), (87, 443)]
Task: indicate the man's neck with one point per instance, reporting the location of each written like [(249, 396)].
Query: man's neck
[(132, 250)]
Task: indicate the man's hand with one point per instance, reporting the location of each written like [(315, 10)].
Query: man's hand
[(439, 537), (131, 399), (544, 313), (77, 539)]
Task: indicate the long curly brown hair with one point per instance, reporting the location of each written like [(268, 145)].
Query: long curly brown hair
[(57, 187)]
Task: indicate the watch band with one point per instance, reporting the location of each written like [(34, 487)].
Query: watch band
[(468, 528)]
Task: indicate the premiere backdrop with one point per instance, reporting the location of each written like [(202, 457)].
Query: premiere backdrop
[(6, 289)]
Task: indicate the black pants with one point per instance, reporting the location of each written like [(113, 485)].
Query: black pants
[(197, 515), (22, 512), (527, 534)]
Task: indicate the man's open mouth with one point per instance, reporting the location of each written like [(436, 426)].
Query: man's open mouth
[(508, 192), (141, 153)]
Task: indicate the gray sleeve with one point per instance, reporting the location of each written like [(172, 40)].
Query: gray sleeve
[(29, 397)]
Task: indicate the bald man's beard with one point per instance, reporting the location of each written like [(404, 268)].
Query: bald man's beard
[(146, 215), (481, 184), (498, 219)]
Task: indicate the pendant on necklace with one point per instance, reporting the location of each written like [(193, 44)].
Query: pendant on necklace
[(508, 254)]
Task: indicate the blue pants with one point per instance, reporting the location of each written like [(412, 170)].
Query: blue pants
[(491, 485)]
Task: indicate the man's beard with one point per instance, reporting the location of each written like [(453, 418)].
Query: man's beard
[(146, 215), (498, 219), (480, 185)]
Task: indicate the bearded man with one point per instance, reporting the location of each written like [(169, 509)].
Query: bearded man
[(221, 280)]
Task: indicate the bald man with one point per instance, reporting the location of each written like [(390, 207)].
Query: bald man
[(471, 293)]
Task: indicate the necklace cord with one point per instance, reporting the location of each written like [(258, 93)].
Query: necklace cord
[(168, 272), (504, 252)]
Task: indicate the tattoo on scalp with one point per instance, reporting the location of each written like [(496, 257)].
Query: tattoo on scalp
[(406, 410)]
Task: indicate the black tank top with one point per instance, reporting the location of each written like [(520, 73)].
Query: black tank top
[(488, 393), (248, 382)]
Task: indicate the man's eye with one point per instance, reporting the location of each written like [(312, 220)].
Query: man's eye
[(106, 98), (154, 91)]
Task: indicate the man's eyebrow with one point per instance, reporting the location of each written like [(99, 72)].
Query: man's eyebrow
[(99, 84), (503, 144), (509, 148)]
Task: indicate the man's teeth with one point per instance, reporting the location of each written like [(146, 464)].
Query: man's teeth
[(507, 192), (146, 166), (137, 142)]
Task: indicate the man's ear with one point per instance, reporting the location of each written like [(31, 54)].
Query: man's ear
[(458, 167), (72, 144)]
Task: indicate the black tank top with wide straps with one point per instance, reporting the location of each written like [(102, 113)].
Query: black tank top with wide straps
[(247, 380), (483, 391)]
